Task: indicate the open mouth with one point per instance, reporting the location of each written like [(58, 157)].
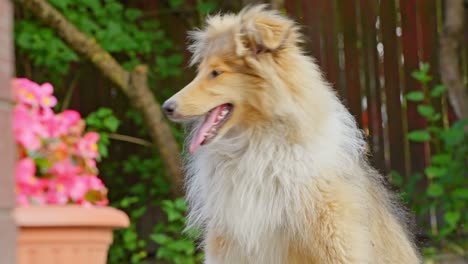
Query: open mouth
[(209, 128)]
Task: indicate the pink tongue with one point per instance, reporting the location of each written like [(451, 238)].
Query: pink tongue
[(199, 136)]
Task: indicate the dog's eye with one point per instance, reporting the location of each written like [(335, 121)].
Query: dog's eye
[(215, 73)]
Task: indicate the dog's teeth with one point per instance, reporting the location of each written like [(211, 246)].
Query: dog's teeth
[(224, 112)]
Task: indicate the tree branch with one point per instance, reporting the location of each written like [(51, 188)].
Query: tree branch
[(131, 139), (450, 42), (133, 84)]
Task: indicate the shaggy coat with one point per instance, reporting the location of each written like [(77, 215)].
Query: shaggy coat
[(285, 179)]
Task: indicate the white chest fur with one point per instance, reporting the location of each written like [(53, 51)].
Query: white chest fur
[(251, 192), (247, 197), (247, 186)]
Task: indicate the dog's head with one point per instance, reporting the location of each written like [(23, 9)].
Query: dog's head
[(235, 55)]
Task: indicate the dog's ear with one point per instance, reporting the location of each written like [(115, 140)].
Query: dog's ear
[(264, 31)]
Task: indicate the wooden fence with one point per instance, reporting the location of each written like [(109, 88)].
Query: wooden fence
[(368, 49)]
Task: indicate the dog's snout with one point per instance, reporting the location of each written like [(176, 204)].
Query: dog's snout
[(169, 107)]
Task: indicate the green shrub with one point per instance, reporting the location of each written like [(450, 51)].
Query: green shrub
[(445, 198)]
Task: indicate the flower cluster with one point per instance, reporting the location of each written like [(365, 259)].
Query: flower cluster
[(57, 163)]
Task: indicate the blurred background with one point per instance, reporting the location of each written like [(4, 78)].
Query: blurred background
[(392, 62)]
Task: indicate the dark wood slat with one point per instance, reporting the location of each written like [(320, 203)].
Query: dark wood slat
[(311, 20), (418, 151), (353, 87), (372, 83), (428, 41), (396, 136), (290, 6), (330, 43), (427, 22)]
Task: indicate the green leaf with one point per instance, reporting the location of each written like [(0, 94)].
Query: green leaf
[(175, 3), (421, 77), (60, 4), (133, 14), (441, 159), (426, 111), (180, 204), (416, 96), (434, 129), (127, 201), (175, 59), (419, 136), (452, 218), (160, 238), (453, 137), (173, 215), (425, 67), (94, 196), (438, 90), (435, 190), (42, 163), (435, 117), (114, 7), (130, 237), (111, 123), (460, 124), (461, 193), (435, 172), (138, 257), (103, 144), (396, 178), (206, 7), (137, 213)]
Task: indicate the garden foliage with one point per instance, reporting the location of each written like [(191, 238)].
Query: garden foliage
[(135, 180), (443, 201)]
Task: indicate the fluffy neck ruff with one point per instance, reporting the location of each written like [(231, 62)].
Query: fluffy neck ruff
[(248, 184)]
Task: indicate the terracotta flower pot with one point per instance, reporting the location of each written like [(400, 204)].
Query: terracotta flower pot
[(66, 234)]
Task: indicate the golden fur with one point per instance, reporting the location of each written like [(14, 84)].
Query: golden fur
[(286, 180)]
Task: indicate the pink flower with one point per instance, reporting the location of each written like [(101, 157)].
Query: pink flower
[(25, 91), (25, 199), (80, 186), (31, 93), (27, 128), (59, 151), (57, 191), (25, 171), (28, 186), (95, 183), (65, 169), (68, 119), (60, 125), (46, 99), (87, 146)]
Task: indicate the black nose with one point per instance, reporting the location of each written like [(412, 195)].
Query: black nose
[(169, 107)]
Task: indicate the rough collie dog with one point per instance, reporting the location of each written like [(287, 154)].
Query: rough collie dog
[(277, 171)]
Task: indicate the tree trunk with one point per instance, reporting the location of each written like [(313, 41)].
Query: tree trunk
[(133, 84), (450, 42)]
